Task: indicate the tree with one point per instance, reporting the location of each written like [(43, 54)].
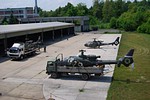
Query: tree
[(71, 11), (145, 27), (82, 10), (94, 21), (13, 20), (113, 13), (44, 14), (133, 18), (119, 7), (4, 21), (107, 11), (68, 10), (97, 8), (113, 22), (127, 22)]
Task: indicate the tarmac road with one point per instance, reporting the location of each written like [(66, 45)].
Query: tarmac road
[(27, 80)]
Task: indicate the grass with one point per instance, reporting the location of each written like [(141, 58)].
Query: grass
[(128, 84)]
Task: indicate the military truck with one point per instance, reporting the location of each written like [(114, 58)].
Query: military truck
[(85, 65)]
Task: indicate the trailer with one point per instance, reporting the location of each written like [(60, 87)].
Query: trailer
[(20, 50)]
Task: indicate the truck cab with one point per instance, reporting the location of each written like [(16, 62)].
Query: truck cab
[(16, 51), (50, 67)]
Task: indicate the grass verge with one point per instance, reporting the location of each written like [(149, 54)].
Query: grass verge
[(128, 84)]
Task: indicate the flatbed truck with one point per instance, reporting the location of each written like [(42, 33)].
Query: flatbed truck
[(56, 70), (20, 50), (85, 65)]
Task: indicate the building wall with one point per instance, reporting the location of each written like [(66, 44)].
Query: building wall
[(27, 12)]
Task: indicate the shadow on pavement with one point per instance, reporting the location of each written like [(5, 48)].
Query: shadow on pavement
[(105, 79), (3, 59)]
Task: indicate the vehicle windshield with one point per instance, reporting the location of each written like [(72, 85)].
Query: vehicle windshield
[(13, 50)]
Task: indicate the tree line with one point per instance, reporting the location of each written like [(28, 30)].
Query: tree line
[(118, 14), (126, 15)]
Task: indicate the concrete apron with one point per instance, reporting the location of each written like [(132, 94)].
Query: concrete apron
[(73, 88)]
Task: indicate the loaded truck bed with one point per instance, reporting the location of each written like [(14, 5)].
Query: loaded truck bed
[(85, 72)]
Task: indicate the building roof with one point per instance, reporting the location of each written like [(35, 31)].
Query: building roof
[(21, 29), (6, 9), (70, 18)]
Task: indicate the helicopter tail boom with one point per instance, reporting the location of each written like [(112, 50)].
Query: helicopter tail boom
[(127, 60)]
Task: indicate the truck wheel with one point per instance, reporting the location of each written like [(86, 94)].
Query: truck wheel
[(85, 76), (54, 75), (21, 57), (33, 53)]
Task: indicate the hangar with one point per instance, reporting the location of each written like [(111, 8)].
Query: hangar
[(10, 34), (81, 22)]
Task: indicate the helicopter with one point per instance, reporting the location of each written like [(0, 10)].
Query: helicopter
[(95, 44), (90, 60), (86, 65)]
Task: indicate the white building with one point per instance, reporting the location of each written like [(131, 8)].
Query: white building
[(27, 12)]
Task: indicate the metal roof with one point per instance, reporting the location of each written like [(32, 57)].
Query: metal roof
[(71, 18), (4, 29)]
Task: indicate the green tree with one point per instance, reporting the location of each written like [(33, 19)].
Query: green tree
[(82, 10), (68, 9), (139, 15), (113, 22), (44, 14), (134, 18), (71, 11), (132, 7), (145, 27), (97, 8), (127, 21), (111, 13), (107, 11), (13, 20), (119, 7), (94, 20), (4, 21)]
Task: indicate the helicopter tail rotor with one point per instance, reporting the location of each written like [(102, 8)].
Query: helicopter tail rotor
[(127, 60), (116, 42)]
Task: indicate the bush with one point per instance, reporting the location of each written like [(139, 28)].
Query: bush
[(127, 22), (104, 26), (129, 25), (94, 20), (144, 28), (130, 21)]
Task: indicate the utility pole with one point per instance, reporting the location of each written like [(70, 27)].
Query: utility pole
[(36, 7)]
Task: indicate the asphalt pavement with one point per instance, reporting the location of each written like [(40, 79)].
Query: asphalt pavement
[(73, 87), (27, 79)]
